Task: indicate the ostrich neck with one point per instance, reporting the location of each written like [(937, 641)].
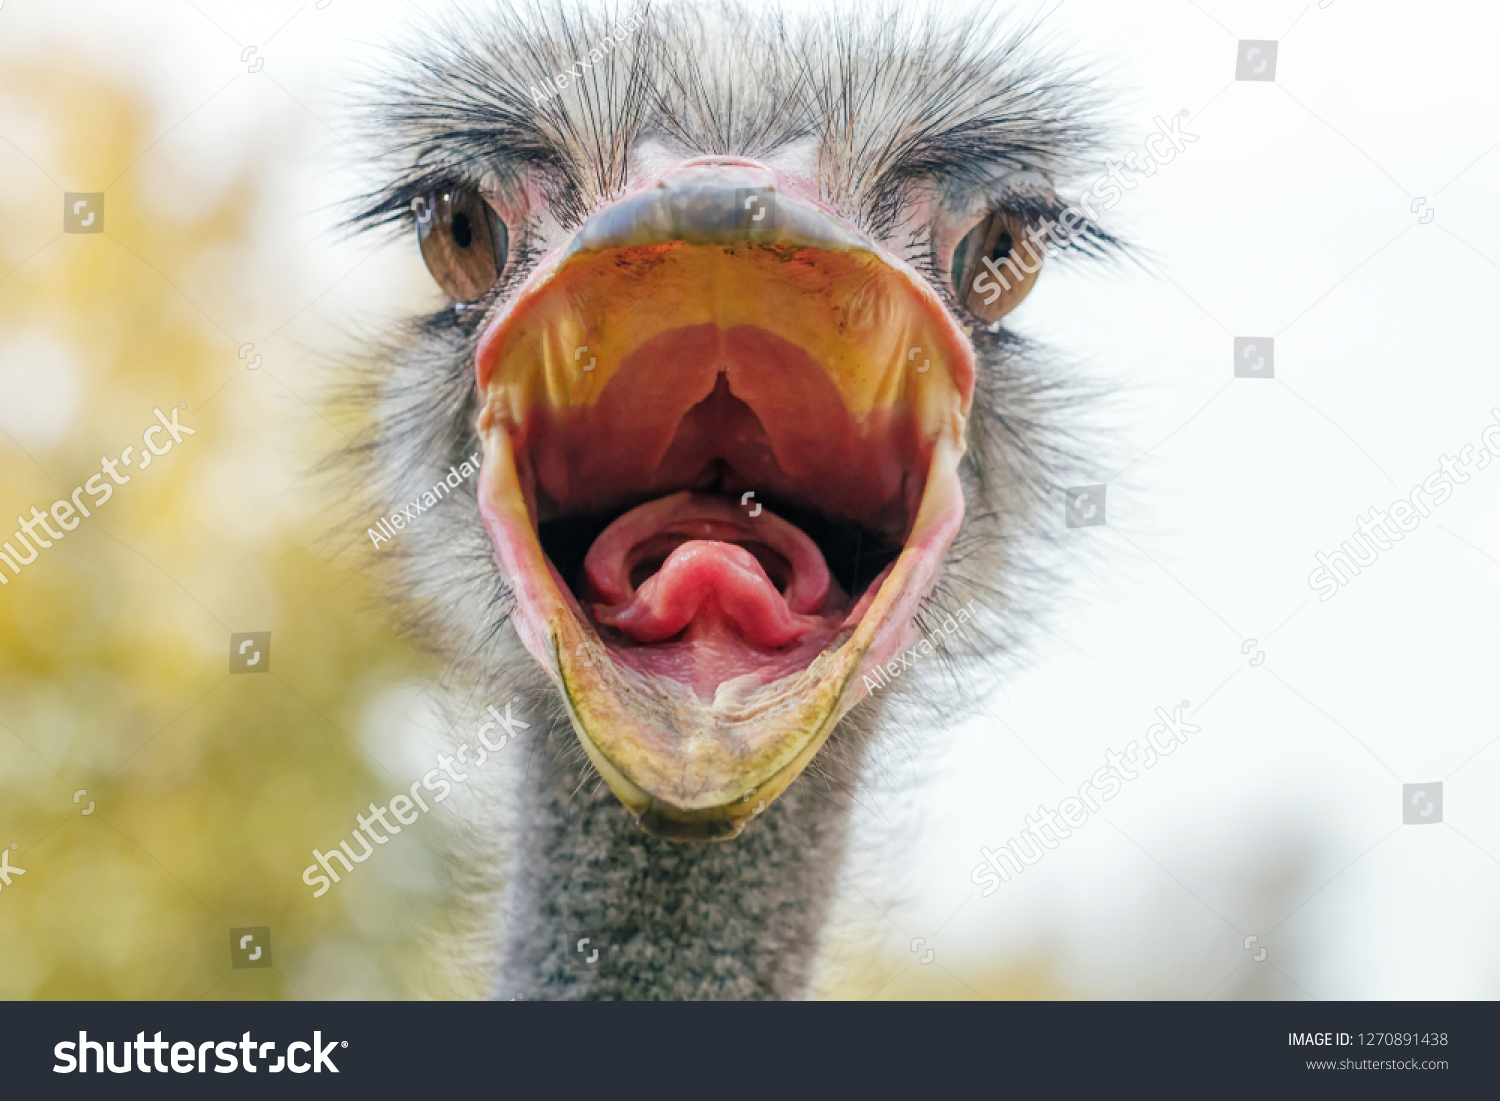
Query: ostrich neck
[(737, 919)]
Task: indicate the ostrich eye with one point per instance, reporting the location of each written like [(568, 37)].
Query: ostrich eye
[(463, 242), (991, 289)]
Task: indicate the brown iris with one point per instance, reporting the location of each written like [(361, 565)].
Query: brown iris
[(995, 266), (463, 242)]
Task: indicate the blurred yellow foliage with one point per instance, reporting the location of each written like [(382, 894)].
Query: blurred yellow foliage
[(208, 789)]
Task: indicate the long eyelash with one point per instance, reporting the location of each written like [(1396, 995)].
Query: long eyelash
[(525, 253), (918, 251), (392, 204)]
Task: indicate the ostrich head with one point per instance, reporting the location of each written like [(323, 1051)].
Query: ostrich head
[(723, 318)]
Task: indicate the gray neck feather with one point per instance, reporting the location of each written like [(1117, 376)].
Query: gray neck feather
[(737, 919)]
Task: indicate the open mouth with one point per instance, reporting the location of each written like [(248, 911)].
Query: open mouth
[(720, 472)]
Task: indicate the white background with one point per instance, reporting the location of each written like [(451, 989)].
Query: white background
[(1290, 217)]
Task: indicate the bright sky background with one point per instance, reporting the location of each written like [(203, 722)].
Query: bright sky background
[(1292, 217)]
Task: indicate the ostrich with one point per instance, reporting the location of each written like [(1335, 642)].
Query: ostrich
[(725, 297)]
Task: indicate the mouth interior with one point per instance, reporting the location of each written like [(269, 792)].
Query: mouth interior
[(715, 513)]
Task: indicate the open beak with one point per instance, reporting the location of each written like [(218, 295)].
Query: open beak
[(721, 439)]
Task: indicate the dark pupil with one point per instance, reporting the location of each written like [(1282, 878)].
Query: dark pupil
[(1003, 244), (462, 230)]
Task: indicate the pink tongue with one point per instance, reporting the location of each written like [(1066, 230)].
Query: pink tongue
[(709, 585)]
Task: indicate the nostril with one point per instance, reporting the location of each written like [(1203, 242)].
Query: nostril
[(737, 162)]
